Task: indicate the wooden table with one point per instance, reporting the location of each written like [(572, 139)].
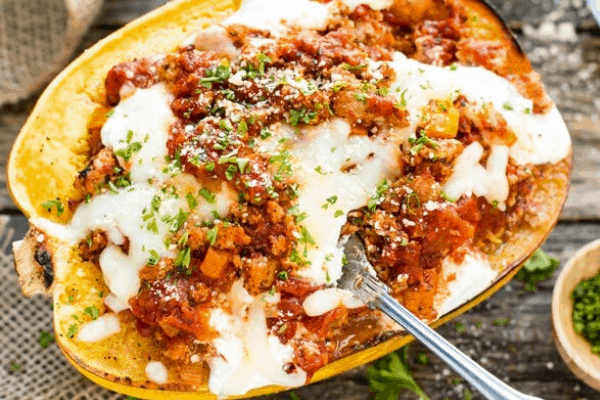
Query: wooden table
[(569, 64)]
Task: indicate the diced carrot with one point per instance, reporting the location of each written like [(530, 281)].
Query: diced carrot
[(214, 263)]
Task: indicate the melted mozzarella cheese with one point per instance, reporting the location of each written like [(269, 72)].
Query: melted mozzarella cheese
[(466, 281), (215, 38), (145, 117), (337, 173), (103, 327), (325, 300), (278, 16), (248, 356), (114, 304), (157, 372), (541, 138), (469, 177)]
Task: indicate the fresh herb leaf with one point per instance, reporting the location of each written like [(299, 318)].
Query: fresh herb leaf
[(389, 375), (538, 268)]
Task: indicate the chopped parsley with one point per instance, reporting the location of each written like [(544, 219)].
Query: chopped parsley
[(215, 74), (320, 170), (45, 339), (349, 67), (422, 358), (360, 97), (191, 201), (502, 321), (212, 235), (303, 115), (283, 275), (127, 152), (330, 201), (262, 60), (379, 195), (209, 196), (184, 257), (14, 366), (265, 133), (92, 312), (154, 258), (460, 327), (299, 216), (73, 329), (418, 144), (338, 213), (507, 106), (56, 203)]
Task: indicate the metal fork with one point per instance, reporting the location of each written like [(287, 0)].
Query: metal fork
[(375, 294)]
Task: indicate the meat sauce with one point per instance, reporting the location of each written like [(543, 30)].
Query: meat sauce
[(405, 235)]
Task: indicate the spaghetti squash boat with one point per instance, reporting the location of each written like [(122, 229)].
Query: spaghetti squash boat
[(188, 189)]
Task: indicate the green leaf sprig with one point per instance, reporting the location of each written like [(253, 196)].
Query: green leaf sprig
[(538, 268), (391, 374)]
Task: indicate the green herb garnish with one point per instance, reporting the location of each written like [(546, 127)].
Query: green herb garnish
[(538, 268), (389, 375)]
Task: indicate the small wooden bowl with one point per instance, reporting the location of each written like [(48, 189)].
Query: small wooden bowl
[(574, 349)]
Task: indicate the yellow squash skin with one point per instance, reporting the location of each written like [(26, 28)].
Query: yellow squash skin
[(52, 148)]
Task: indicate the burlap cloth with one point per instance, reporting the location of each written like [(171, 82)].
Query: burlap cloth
[(43, 374), (37, 37)]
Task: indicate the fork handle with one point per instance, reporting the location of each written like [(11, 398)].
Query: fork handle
[(487, 384)]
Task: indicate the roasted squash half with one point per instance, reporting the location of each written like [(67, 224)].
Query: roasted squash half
[(53, 147)]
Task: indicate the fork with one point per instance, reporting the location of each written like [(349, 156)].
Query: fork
[(358, 279)]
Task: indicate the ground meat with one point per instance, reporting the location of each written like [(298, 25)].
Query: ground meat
[(140, 73), (97, 174), (91, 248)]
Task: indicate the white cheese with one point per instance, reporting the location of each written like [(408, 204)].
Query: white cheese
[(157, 372), (248, 357), (103, 327), (278, 16), (320, 154), (541, 138), (325, 300), (471, 277), (145, 117), (215, 38), (111, 301), (469, 177)]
